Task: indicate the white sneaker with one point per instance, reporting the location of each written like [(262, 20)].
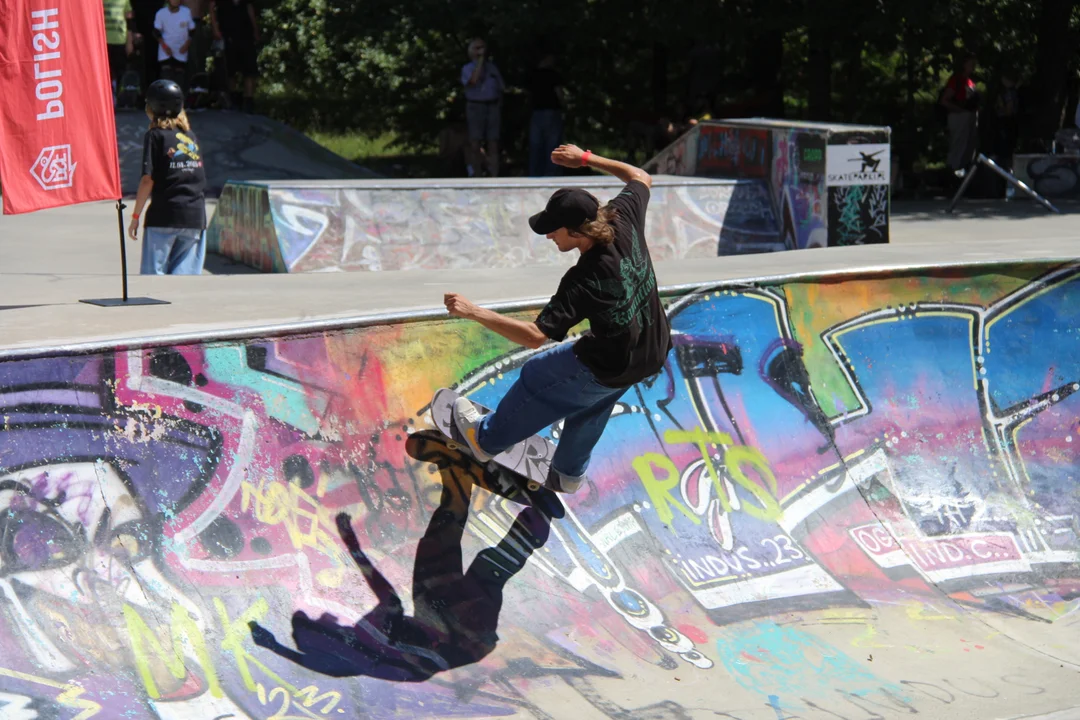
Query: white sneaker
[(467, 419), (564, 483)]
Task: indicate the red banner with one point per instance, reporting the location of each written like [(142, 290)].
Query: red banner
[(57, 130)]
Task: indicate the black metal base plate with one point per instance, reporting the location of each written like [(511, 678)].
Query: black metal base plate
[(120, 302)]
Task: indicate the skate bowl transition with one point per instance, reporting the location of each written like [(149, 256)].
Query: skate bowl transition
[(846, 496), (241, 146)]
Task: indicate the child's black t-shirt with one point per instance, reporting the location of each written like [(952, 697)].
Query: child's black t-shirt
[(173, 161), (614, 288)]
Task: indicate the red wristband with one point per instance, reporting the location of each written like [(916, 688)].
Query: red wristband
[(585, 158)]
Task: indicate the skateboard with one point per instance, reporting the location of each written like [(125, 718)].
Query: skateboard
[(529, 460)]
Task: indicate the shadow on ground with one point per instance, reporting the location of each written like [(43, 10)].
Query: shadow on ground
[(220, 265), (1018, 209), (455, 612)]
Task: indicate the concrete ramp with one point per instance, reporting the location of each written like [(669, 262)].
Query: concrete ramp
[(379, 225), (845, 497), (238, 146)]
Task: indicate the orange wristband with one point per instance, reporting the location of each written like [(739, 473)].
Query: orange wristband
[(585, 158)]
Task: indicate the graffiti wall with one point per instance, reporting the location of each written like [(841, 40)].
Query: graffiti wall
[(811, 208), (242, 228), (1052, 176), (849, 499), (727, 151), (858, 188), (278, 228), (798, 185)]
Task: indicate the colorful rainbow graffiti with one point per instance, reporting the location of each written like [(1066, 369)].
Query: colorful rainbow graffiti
[(230, 529)]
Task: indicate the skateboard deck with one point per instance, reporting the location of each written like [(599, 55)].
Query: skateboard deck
[(529, 460)]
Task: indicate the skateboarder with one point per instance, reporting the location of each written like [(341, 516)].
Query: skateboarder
[(614, 288)]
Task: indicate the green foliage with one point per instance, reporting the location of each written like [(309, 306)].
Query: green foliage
[(382, 66)]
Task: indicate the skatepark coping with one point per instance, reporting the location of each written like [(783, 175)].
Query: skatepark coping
[(50, 318)]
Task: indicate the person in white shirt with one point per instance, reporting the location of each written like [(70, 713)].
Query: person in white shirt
[(172, 28)]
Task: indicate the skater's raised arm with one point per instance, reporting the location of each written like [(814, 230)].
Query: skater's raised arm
[(572, 156), (523, 333)]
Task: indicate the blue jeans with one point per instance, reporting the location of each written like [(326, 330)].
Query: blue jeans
[(552, 386), (545, 134), (173, 251)]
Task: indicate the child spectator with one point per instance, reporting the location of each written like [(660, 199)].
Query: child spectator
[(174, 235), (172, 28)]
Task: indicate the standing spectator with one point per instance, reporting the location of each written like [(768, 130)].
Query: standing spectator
[(172, 26), (200, 37), (146, 44), (173, 180), (119, 39), (961, 101), (546, 123), (483, 101), (235, 22)]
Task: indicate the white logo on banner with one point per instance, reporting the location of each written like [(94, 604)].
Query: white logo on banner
[(54, 168), (857, 165)]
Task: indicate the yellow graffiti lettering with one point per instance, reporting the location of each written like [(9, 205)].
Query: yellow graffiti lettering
[(69, 697), (739, 457), (660, 490), (310, 697), (236, 632), (703, 439), (278, 503), (184, 633)]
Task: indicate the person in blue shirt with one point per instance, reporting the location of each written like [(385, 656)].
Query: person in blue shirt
[(483, 102)]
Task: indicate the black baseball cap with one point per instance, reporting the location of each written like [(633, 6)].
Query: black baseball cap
[(567, 208)]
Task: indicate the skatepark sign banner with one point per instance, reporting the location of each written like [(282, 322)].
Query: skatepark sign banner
[(857, 165), (57, 130)]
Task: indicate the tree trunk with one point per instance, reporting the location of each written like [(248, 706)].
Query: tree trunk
[(1052, 55), (819, 73), (907, 149), (659, 78), (853, 97), (766, 60)]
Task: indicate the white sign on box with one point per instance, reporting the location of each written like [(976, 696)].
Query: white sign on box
[(857, 165)]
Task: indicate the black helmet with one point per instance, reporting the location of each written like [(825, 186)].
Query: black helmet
[(165, 98)]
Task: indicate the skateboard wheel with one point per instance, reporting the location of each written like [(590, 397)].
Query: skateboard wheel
[(533, 486)]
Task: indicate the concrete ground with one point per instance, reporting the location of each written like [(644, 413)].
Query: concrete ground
[(52, 259)]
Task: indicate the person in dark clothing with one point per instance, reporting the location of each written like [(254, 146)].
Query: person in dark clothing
[(546, 123), (174, 182), (144, 13), (960, 99), (613, 286), (235, 22)]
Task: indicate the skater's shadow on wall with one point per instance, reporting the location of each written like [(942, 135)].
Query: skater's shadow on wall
[(455, 612)]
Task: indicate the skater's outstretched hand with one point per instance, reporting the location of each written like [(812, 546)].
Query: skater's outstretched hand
[(569, 156), (458, 306)]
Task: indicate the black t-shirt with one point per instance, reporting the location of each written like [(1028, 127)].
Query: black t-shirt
[(173, 161), (233, 19), (614, 288), (542, 84)]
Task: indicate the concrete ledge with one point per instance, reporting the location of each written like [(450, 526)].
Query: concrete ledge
[(44, 312)]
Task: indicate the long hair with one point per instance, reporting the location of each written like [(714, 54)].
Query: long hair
[(602, 229), (180, 122)]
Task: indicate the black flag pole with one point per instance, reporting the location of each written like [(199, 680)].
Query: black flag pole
[(124, 300)]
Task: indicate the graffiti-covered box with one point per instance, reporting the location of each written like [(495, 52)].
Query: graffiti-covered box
[(828, 184)]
